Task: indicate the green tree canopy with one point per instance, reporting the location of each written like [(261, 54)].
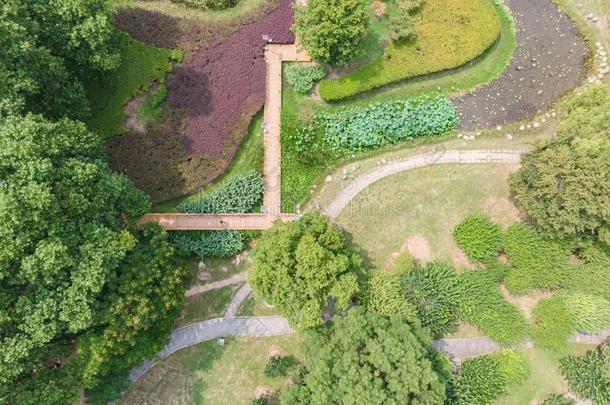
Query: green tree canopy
[(589, 375), (332, 30), (564, 185), (366, 358), (143, 303), (45, 47), (64, 220), (301, 266)]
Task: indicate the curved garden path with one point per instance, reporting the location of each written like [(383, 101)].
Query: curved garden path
[(276, 325), (353, 188), (548, 62), (238, 299)]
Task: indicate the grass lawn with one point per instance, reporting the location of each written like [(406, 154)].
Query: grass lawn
[(449, 34), (417, 210), (545, 377), (249, 156), (140, 66), (209, 305), (211, 374), (256, 306)]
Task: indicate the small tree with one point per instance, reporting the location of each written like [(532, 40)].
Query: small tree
[(331, 30), (564, 184), (589, 375), (305, 268), (366, 358)]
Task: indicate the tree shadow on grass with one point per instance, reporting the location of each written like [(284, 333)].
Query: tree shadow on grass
[(150, 27)]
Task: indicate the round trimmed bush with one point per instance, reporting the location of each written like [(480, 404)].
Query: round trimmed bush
[(478, 237)]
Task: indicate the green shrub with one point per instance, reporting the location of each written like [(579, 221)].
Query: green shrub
[(303, 77), (332, 30), (497, 270), (386, 296), (278, 366), (240, 193), (588, 375), (553, 324), (309, 145), (208, 4), (590, 278), (557, 399), (591, 314), (482, 380), (596, 254), (210, 243), (482, 305), (537, 262), (387, 122), (480, 238), (261, 400), (434, 292)]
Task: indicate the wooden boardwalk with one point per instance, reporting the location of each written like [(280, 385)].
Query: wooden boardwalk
[(272, 169)]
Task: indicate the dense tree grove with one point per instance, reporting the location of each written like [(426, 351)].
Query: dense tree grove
[(68, 263), (332, 30), (306, 268), (564, 185), (366, 358), (46, 48)]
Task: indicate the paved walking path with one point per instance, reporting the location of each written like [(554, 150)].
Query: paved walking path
[(186, 336), (200, 289), (274, 56), (213, 329), (238, 299), (353, 188)]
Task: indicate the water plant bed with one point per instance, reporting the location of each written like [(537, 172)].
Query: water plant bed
[(549, 62)]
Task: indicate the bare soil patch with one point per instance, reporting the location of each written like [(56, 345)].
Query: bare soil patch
[(419, 247), (525, 303)]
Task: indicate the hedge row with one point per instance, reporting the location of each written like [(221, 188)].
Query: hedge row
[(210, 243), (240, 193), (387, 122)]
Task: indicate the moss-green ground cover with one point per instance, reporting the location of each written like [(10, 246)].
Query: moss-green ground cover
[(140, 66), (449, 34)]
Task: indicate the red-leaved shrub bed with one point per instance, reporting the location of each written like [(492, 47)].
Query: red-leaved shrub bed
[(220, 85), (212, 97)]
